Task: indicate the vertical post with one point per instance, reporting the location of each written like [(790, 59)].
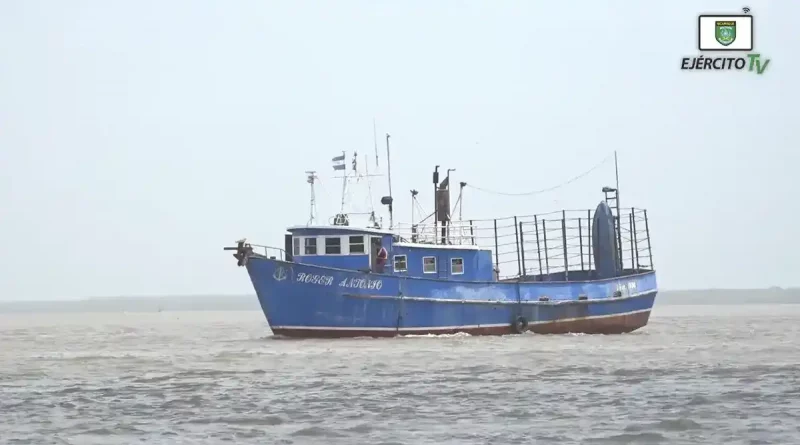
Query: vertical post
[(412, 208), (564, 243), (619, 242), (580, 241), (471, 232), (633, 234), (619, 217), (344, 182), (389, 173), (546, 258), (522, 247), (496, 249), (516, 237), (538, 249), (435, 205), (630, 224), (647, 232), (589, 240)]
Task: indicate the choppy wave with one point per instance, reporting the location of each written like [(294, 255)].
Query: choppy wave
[(219, 377)]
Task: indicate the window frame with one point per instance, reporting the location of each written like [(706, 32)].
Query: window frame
[(297, 244), (462, 266), (337, 246), (435, 265), (363, 244), (307, 241), (394, 262)]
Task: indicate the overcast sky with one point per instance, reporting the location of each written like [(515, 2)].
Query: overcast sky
[(139, 138)]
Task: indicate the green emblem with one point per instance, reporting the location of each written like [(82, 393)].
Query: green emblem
[(725, 32)]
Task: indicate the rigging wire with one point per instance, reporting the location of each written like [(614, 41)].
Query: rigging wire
[(536, 192)]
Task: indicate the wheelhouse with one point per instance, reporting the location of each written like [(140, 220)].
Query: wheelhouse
[(354, 248)]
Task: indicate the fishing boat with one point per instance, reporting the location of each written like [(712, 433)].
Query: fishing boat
[(588, 271)]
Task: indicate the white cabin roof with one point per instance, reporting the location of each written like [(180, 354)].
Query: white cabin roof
[(406, 244), (343, 228)]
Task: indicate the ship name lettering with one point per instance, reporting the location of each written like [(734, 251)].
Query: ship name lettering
[(361, 283), (627, 287), (323, 280)]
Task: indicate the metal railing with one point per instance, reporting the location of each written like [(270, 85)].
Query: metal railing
[(549, 247), (455, 233), (276, 253)]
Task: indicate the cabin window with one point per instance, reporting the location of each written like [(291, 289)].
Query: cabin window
[(295, 246), (400, 263), (333, 245), (357, 244), (456, 266), (310, 246), (429, 264)]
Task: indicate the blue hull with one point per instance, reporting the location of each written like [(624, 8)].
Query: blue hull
[(302, 300)]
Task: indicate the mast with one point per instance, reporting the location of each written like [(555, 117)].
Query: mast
[(387, 200), (344, 182), (372, 219), (312, 177)]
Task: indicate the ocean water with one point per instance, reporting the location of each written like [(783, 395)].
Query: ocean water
[(694, 375)]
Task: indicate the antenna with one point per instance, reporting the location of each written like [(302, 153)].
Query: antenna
[(387, 200), (311, 179), (746, 9), (375, 138), (344, 182)]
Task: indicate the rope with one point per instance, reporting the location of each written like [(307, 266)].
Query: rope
[(536, 192)]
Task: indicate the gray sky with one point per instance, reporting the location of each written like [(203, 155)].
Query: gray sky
[(139, 138)]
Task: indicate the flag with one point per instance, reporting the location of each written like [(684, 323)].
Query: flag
[(338, 162)]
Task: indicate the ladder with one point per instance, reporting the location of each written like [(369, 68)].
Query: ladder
[(612, 200)]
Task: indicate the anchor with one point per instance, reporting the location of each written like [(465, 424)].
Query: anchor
[(243, 251)]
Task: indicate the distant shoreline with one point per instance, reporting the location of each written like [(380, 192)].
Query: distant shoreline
[(250, 302)]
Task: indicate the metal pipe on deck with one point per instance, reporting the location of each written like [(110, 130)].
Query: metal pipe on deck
[(546, 258), (435, 204), (516, 236), (472, 232), (619, 219), (580, 241), (647, 232), (635, 241), (630, 224), (538, 248), (564, 243), (589, 240), (522, 247), (619, 244), (496, 249)]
